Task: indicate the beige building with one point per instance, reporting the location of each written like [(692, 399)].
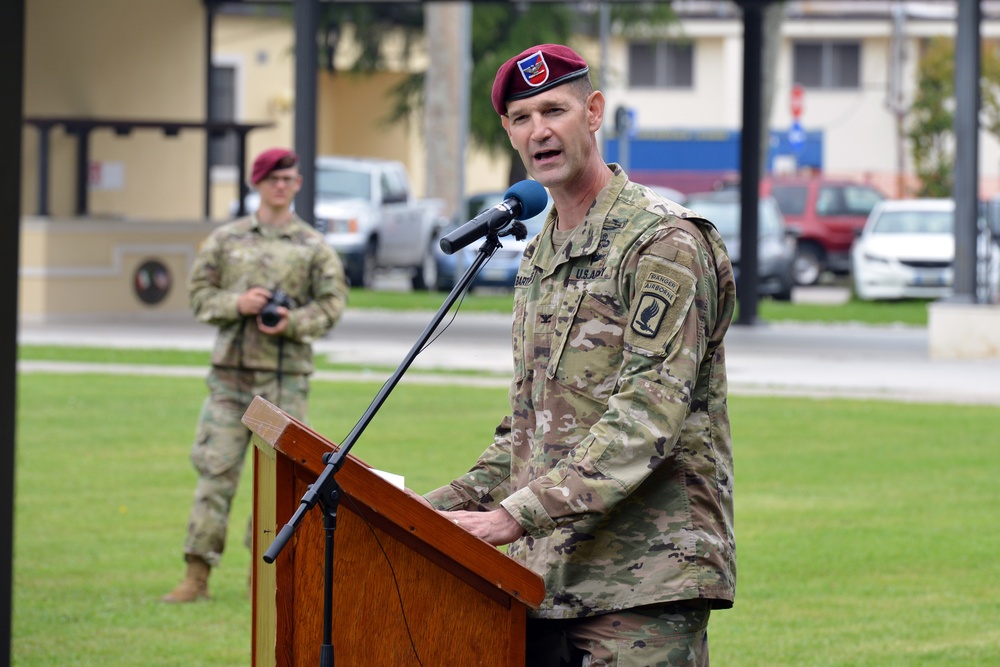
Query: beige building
[(147, 60), (134, 67), (122, 60), (689, 77), (111, 59), (352, 110)]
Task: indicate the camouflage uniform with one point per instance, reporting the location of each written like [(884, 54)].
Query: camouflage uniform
[(246, 362), (670, 635), (617, 458)]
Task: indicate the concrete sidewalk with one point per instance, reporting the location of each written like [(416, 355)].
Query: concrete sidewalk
[(769, 359)]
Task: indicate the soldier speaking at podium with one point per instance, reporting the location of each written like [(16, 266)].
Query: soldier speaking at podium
[(612, 475)]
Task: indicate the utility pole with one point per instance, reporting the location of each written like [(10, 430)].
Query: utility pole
[(895, 97), (306, 67), (965, 192), (446, 105), (773, 17), (12, 30), (750, 159)]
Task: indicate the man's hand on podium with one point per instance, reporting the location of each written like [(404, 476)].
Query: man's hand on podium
[(497, 527)]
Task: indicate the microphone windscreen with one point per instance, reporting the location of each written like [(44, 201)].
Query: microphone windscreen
[(532, 196)]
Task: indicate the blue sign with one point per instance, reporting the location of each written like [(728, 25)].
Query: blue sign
[(796, 136), (706, 149)]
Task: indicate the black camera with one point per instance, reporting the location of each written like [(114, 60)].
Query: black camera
[(269, 316)]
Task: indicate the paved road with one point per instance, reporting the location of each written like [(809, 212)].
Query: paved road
[(775, 359)]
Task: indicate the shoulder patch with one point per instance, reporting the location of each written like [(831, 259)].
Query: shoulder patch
[(664, 291)]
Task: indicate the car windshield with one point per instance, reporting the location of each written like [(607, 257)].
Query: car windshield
[(479, 203), (791, 198), (860, 200), (340, 183), (725, 215), (914, 222)]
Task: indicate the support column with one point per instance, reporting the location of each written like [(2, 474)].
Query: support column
[(966, 188), (750, 147), (306, 66), (43, 169), (82, 167), (446, 107)]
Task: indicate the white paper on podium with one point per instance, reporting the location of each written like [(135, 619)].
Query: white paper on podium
[(392, 478)]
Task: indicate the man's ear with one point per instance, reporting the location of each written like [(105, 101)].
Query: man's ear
[(505, 121), (595, 110)]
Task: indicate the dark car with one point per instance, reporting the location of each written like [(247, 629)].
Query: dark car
[(502, 267), (776, 246), (826, 215)]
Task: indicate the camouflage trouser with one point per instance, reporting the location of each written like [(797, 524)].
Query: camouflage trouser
[(671, 635), (220, 446)]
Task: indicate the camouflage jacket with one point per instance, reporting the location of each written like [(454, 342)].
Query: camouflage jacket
[(246, 253), (617, 457)]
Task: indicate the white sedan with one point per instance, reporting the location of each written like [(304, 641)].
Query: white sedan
[(907, 250)]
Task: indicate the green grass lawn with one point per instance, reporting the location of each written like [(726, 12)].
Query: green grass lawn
[(910, 311), (867, 530), (913, 312)]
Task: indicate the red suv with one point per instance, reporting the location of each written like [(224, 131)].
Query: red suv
[(826, 215)]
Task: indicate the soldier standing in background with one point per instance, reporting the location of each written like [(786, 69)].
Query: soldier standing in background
[(272, 286), (612, 476)]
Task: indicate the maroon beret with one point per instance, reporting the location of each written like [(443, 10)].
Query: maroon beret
[(271, 159), (534, 70)]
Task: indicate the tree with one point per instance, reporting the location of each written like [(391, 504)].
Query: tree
[(499, 29), (372, 23), (932, 121), (773, 17), (503, 29)]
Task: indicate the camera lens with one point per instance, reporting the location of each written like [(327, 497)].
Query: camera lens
[(269, 316)]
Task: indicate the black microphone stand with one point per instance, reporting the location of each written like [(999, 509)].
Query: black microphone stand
[(325, 489)]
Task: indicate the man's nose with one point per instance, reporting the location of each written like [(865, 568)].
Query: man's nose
[(540, 129)]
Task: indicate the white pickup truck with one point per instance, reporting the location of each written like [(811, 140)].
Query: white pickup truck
[(370, 217)]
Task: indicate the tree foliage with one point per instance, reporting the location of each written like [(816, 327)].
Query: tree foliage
[(502, 29), (373, 22), (499, 30), (932, 116), (931, 120)]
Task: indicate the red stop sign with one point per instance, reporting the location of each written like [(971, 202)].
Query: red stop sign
[(796, 100)]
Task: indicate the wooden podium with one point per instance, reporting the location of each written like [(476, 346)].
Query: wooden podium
[(408, 583)]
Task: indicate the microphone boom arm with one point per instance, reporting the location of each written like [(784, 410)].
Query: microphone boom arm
[(335, 460)]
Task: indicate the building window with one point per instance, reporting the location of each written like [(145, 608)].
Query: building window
[(661, 65), (827, 64), (222, 149)]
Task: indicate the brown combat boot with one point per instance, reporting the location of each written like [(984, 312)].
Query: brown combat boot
[(195, 584)]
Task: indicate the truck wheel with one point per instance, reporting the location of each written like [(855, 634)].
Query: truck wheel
[(808, 265), (368, 264), (787, 284), (425, 276)]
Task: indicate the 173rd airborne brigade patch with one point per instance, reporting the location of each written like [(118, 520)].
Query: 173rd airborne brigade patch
[(664, 293)]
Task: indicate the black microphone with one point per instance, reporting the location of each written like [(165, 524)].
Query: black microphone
[(523, 200)]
